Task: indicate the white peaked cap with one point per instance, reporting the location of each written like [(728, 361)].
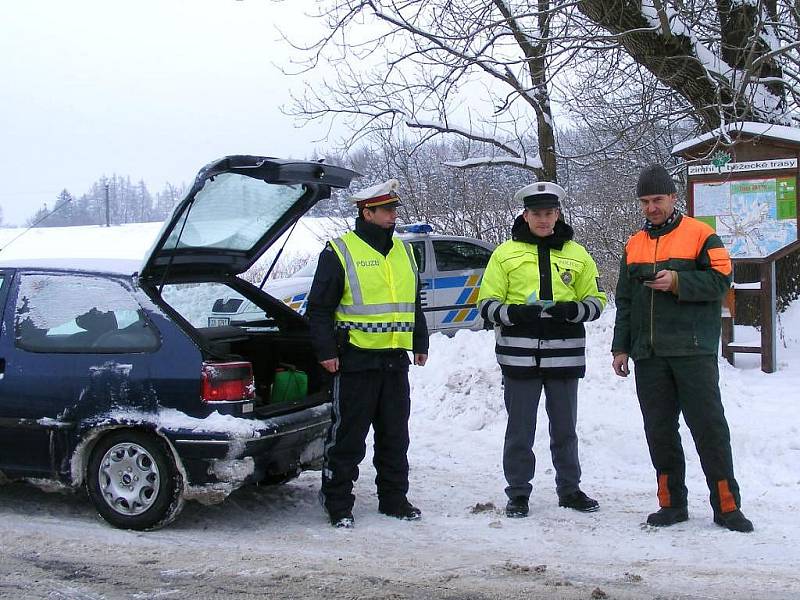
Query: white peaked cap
[(377, 195), (542, 194)]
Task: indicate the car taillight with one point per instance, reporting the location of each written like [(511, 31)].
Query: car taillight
[(227, 382)]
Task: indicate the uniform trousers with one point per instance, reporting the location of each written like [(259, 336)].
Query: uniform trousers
[(522, 403), (377, 398)]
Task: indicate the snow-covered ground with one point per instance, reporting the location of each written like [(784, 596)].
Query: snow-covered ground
[(269, 540)]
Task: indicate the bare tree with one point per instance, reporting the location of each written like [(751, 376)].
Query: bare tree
[(488, 71), (478, 70)]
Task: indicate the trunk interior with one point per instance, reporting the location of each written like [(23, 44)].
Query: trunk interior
[(283, 365)]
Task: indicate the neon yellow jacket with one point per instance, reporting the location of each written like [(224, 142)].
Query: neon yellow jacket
[(528, 269), (377, 307)]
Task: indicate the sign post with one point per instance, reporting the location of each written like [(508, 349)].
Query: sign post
[(747, 192)]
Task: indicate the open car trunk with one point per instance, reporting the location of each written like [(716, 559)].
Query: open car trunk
[(278, 345), (237, 208), (283, 364)]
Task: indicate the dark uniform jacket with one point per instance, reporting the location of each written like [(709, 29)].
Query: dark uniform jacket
[(653, 323), (326, 293)]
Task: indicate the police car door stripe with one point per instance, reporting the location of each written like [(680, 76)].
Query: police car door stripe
[(441, 283), (464, 296)]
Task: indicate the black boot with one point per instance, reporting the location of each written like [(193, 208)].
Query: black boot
[(400, 510), (578, 501), (342, 520), (668, 516), (734, 520), (517, 507)]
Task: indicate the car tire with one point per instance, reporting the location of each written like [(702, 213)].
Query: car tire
[(133, 482)]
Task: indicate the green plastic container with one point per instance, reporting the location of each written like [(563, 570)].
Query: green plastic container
[(289, 385)]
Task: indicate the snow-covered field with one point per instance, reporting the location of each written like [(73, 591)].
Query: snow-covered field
[(276, 543)]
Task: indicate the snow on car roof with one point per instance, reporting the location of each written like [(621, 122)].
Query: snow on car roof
[(121, 266)]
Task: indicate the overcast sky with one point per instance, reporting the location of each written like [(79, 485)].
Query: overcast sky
[(151, 89)]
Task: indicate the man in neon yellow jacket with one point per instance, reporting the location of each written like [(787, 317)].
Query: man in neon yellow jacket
[(538, 290), (366, 315)]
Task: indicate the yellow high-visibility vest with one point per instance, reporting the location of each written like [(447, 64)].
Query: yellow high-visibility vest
[(377, 307)]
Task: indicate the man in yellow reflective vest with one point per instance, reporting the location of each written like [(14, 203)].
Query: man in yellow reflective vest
[(366, 315), (538, 290)]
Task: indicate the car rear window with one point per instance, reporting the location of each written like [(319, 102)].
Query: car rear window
[(232, 212), (84, 314)]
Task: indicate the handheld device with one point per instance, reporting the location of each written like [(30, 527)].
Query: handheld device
[(646, 277)]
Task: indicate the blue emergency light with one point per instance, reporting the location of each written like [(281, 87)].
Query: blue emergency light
[(414, 228)]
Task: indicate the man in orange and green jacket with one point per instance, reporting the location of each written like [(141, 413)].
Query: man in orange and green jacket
[(673, 276)]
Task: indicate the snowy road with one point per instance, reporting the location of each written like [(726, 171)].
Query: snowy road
[(274, 543)]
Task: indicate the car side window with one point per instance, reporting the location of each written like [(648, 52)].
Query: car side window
[(418, 248), (456, 255), (80, 314)]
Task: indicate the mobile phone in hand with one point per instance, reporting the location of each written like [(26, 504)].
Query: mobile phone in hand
[(646, 277)]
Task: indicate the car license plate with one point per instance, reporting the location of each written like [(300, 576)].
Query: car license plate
[(218, 321), (247, 407)]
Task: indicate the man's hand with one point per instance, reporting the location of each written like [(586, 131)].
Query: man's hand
[(663, 281), (563, 311), (524, 314), (620, 364), (420, 359), (331, 365)]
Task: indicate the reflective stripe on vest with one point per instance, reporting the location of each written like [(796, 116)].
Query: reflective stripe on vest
[(379, 300)]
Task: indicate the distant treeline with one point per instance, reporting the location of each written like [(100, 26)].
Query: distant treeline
[(127, 203)]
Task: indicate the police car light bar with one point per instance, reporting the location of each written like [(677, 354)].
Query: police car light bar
[(414, 228)]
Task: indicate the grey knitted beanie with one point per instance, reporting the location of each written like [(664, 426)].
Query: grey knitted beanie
[(654, 180)]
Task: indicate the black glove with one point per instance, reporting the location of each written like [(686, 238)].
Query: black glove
[(524, 314), (564, 311)]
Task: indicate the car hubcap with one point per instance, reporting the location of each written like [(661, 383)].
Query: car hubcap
[(129, 478)]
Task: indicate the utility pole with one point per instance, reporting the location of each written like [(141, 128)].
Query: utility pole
[(108, 223)]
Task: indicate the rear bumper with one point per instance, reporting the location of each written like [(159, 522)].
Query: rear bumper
[(249, 450)]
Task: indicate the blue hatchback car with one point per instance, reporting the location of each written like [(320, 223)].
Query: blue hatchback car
[(110, 377)]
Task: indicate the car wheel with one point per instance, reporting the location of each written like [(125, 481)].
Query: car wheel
[(133, 482)]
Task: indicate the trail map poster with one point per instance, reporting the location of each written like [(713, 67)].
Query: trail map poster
[(754, 217)]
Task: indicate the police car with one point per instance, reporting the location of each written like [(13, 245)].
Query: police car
[(450, 268)]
